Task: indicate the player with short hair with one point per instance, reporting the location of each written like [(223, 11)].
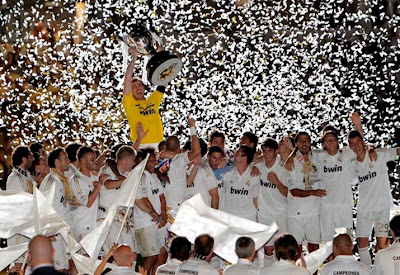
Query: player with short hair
[(375, 197), (344, 262), (272, 201), (286, 252), (304, 183), (85, 186), (139, 109), (245, 250), (198, 264), (241, 189)]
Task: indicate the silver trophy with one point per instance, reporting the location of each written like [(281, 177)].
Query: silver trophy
[(163, 66)]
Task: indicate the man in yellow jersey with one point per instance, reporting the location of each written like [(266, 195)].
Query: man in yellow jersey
[(140, 109)]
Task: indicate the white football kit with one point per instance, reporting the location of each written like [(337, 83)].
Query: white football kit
[(375, 198), (387, 261), (272, 205), (203, 182), (243, 266), (337, 178), (240, 190), (196, 266)]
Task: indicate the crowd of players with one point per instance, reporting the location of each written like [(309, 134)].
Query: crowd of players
[(308, 193)]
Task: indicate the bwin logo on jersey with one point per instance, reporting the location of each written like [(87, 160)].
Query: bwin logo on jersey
[(332, 169), (268, 184), (154, 191), (367, 177), (146, 111), (221, 185), (239, 191)]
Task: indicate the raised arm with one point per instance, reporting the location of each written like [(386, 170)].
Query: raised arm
[(355, 118), (195, 140), (129, 72)]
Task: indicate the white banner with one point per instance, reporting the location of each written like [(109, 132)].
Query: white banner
[(195, 218), (83, 264), (315, 259), (10, 254)]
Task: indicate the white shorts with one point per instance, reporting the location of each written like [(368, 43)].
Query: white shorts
[(280, 221), (148, 240), (334, 217), (60, 253), (305, 228), (378, 219), (163, 235)]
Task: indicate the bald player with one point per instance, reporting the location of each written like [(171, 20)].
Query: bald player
[(125, 259), (344, 262), (41, 255)]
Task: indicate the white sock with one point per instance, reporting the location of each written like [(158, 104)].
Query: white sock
[(269, 260), (365, 257)]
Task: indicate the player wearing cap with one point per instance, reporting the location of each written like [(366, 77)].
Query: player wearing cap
[(304, 182), (241, 189), (375, 198), (344, 262), (272, 202)]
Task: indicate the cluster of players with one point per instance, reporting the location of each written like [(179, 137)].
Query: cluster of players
[(308, 193)]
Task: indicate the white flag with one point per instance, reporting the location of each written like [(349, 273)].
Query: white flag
[(10, 254), (195, 217), (83, 264), (93, 241), (16, 214), (316, 258)]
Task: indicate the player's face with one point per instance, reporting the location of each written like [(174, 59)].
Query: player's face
[(269, 154), (246, 141), (63, 162), (218, 141), (29, 161), (90, 161), (331, 143), (138, 90), (304, 144), (151, 163), (282, 147), (215, 160), (356, 144), (238, 156), (43, 154), (42, 168)]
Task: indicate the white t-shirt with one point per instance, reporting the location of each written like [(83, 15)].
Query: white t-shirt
[(337, 177), (295, 180), (196, 266), (243, 266), (203, 182), (85, 217), (107, 196), (150, 187), (175, 190), (60, 202), (270, 201), (284, 267), (373, 181), (169, 267), (387, 261), (344, 264), (17, 181), (239, 193)]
